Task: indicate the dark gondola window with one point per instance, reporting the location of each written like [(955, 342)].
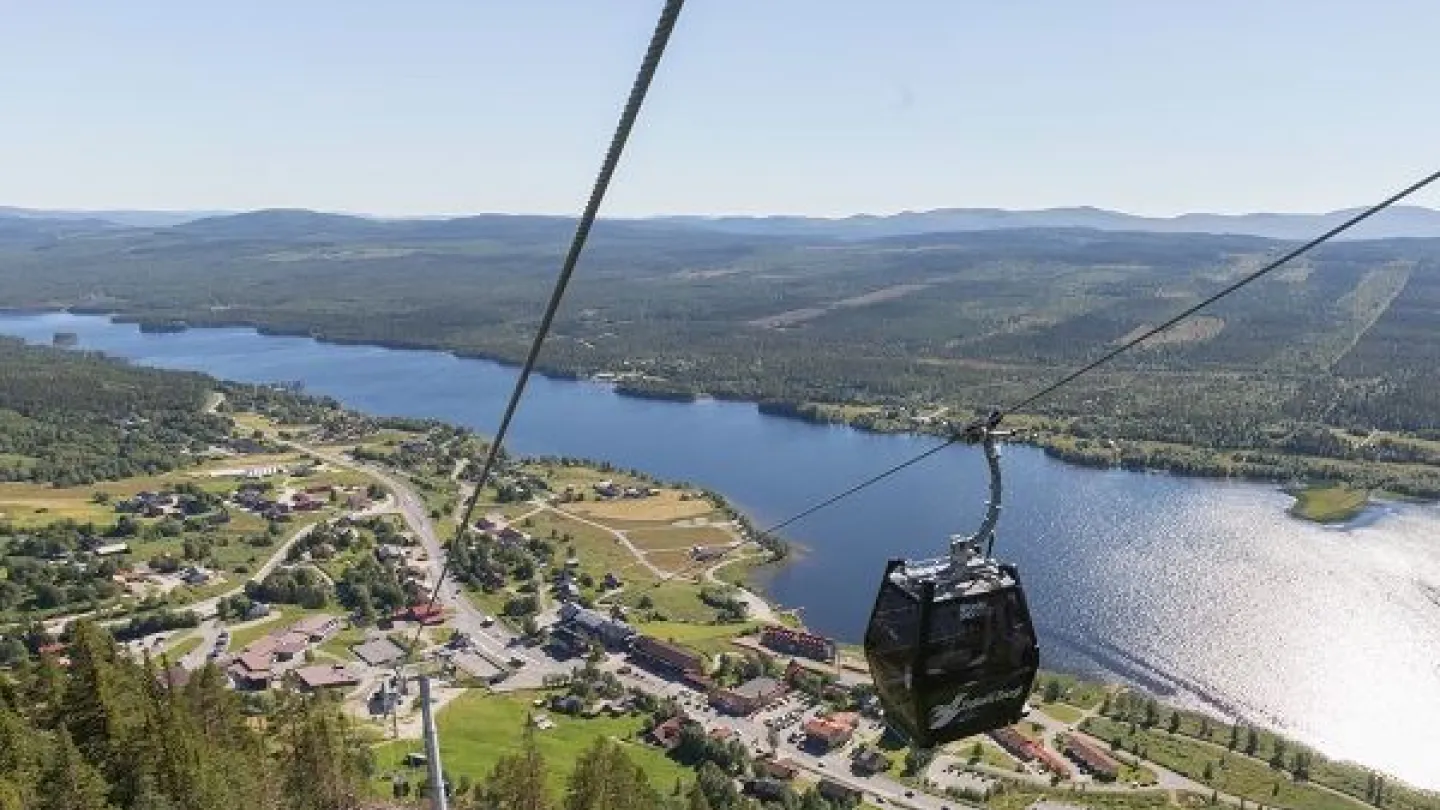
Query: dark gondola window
[(891, 642)]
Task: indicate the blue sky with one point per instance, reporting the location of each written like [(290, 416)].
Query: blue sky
[(762, 106)]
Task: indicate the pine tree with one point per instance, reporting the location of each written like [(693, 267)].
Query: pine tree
[(1252, 741), (519, 780), (696, 799), (20, 758), (605, 779), (320, 770), (69, 782), (149, 797)]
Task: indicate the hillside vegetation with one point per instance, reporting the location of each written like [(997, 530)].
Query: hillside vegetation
[(1344, 339)]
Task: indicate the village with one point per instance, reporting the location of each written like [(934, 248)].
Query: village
[(580, 596)]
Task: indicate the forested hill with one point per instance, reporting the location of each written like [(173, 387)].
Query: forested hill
[(1345, 338), (108, 732), (72, 418)]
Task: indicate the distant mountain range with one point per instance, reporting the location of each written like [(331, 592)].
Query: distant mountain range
[(1404, 221), (1397, 222)]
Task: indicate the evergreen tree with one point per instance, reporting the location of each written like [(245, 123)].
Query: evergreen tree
[(1252, 741), (69, 782), (519, 780), (696, 799), (605, 779)]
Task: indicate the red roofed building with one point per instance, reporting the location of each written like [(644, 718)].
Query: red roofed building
[(776, 768), (1091, 759), (1014, 743), (826, 733), (427, 614), (796, 642), (667, 734)]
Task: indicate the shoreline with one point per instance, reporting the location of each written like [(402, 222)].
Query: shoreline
[(1190, 461)]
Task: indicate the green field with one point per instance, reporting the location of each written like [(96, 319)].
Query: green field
[(479, 727), (707, 638), (1329, 504), (1232, 772), (1063, 712)]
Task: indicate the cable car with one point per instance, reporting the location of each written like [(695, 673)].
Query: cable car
[(950, 643)]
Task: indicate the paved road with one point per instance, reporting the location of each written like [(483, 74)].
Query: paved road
[(495, 643), (209, 631)]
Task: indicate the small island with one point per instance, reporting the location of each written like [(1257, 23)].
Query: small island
[(1329, 503)]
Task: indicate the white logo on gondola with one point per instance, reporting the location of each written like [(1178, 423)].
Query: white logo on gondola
[(942, 716)]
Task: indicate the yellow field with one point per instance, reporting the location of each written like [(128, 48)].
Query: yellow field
[(666, 506), (33, 504), (678, 538), (672, 560)]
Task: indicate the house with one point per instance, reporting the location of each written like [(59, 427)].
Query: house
[(252, 670), (776, 768), (512, 536), (828, 732), (492, 523), (257, 610), (667, 734), (567, 704), (317, 628), (290, 645), (596, 626), (870, 761), (750, 696), (1091, 759), (389, 551), (666, 657), (836, 792), (722, 734), (796, 642), (607, 489), (325, 676)]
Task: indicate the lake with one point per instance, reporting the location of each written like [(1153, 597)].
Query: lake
[(1200, 589)]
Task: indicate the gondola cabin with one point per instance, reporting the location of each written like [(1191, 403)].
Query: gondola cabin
[(951, 647)]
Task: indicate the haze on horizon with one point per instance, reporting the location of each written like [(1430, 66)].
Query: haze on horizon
[(804, 107)]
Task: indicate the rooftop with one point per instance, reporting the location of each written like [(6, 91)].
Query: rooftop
[(319, 677)]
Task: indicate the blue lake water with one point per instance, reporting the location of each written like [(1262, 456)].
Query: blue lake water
[(1201, 589)]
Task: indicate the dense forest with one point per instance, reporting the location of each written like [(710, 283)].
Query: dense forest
[(967, 320), (69, 418), (108, 732)]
